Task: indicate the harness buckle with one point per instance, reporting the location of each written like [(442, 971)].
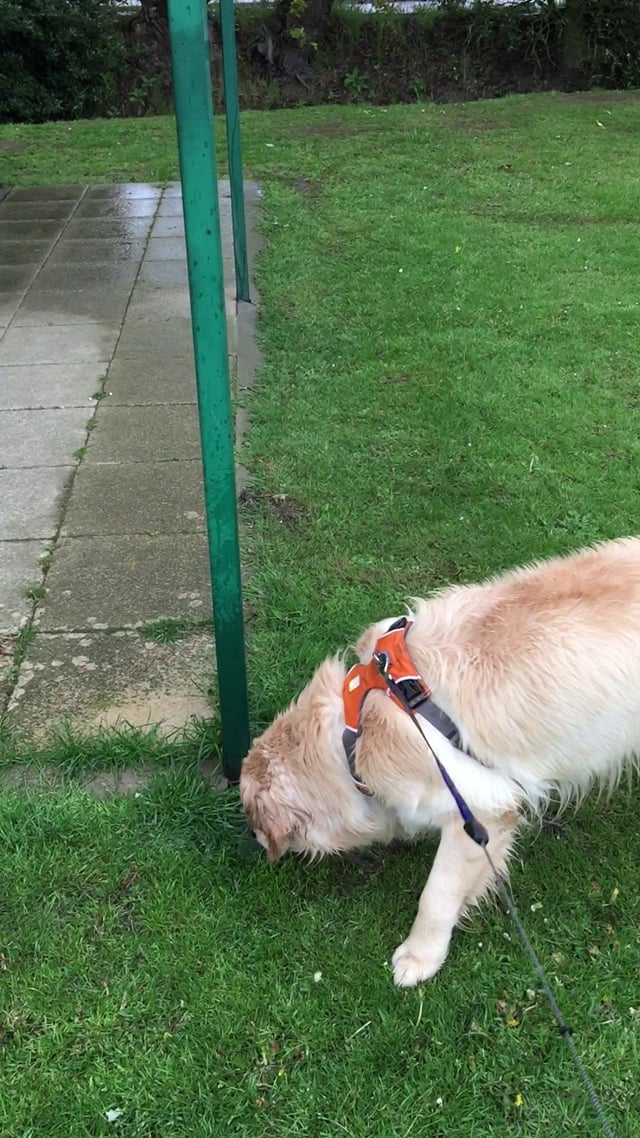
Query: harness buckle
[(413, 691)]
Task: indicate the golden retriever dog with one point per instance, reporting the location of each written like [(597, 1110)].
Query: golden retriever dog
[(537, 673)]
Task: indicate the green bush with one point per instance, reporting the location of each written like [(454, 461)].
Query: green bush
[(612, 36), (451, 52), (59, 59), (82, 58)]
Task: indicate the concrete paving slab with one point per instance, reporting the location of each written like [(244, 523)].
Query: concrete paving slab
[(145, 434), (165, 249), (147, 498), (101, 251), (231, 308), (30, 501), (156, 565), (169, 337), (170, 207), (72, 343), (248, 352), (16, 278), (19, 251), (46, 193), (142, 381), (124, 581), (106, 228), (98, 305), (163, 274), (34, 230), (120, 209), (124, 191), (36, 386), (41, 438), (36, 210), (101, 679), (9, 304), (149, 303), (7, 649), (99, 275), (19, 569), (169, 226)]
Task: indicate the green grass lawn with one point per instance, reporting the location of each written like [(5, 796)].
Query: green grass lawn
[(451, 325)]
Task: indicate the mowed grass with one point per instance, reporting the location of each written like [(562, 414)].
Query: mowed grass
[(451, 386), (148, 968)]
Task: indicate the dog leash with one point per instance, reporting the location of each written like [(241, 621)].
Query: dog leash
[(478, 834)]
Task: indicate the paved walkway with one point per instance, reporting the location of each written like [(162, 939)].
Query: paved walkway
[(101, 503)]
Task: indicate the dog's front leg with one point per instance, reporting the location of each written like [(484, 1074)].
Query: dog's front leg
[(459, 876)]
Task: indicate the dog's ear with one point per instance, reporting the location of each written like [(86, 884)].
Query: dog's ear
[(277, 839), (281, 826), (268, 787), (267, 816)]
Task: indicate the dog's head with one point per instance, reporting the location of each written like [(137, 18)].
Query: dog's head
[(295, 784), (270, 789)]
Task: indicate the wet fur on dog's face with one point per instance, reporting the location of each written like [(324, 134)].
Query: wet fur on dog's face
[(287, 806), (540, 671)]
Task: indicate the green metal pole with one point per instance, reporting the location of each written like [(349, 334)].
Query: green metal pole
[(234, 147), (194, 120)]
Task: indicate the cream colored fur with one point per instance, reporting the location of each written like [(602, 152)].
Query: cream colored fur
[(540, 671)]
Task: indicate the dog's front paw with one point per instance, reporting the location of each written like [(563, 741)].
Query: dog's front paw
[(413, 963)]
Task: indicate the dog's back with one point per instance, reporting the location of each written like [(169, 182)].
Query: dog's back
[(542, 665)]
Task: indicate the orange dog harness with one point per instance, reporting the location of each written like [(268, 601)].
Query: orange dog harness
[(390, 661)]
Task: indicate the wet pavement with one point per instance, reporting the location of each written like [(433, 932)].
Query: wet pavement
[(102, 525)]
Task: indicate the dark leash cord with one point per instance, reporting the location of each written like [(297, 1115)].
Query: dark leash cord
[(478, 834)]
